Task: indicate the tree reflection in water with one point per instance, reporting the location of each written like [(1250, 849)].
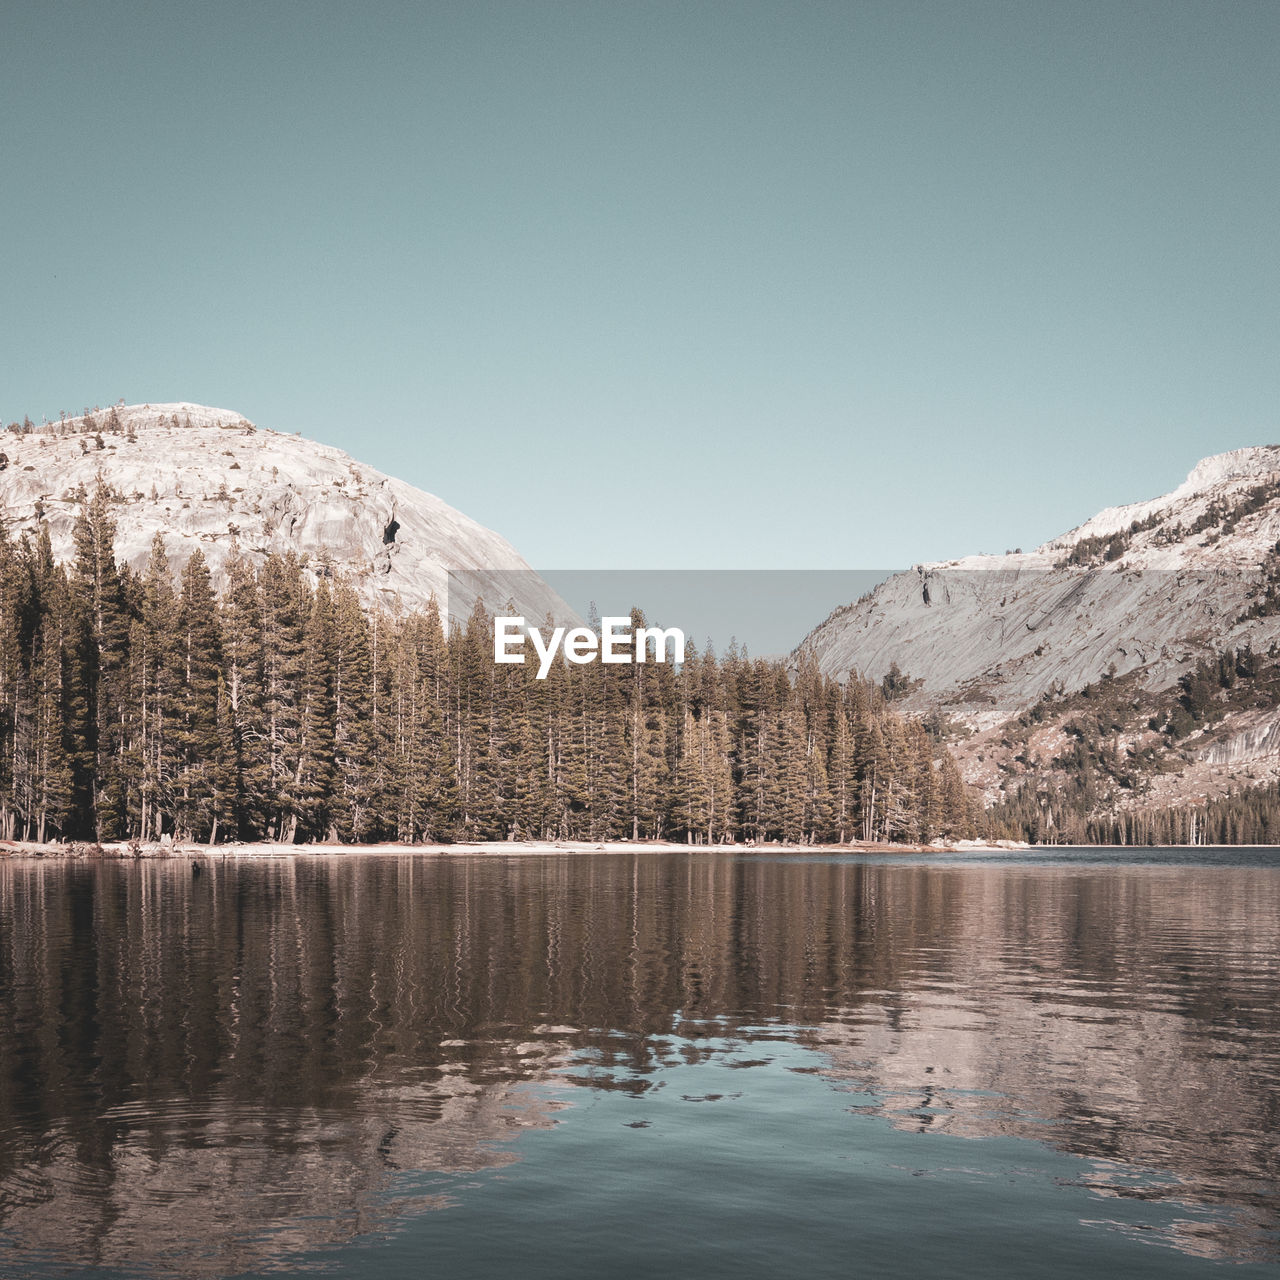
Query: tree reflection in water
[(237, 1068)]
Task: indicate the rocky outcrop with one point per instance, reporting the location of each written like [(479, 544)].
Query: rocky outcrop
[(209, 478), (1258, 741)]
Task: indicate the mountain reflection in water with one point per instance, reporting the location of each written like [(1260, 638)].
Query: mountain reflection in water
[(227, 1072)]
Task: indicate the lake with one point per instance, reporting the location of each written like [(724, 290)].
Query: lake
[(1062, 1064)]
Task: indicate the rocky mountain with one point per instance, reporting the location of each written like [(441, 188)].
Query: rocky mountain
[(211, 479), (1144, 641)]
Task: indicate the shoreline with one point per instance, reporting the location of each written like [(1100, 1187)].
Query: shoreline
[(135, 851)]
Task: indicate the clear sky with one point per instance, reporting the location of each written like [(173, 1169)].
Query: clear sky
[(649, 285)]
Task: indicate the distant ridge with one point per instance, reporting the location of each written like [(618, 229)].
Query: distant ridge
[(1132, 602)]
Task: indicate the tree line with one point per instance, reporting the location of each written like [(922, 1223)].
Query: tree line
[(135, 705), (1068, 816)]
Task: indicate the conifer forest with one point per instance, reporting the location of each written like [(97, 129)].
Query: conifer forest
[(135, 705)]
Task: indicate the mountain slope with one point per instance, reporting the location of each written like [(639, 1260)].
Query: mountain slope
[(1133, 603), (208, 478)]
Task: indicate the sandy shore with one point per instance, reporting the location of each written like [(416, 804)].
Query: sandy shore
[(131, 850)]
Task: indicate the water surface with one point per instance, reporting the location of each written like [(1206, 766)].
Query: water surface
[(1064, 1064)]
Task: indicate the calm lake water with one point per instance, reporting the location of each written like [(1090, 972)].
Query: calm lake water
[(659, 1065)]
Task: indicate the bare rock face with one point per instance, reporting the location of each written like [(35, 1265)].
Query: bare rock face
[(209, 478), (1156, 585), (990, 643), (1145, 591)]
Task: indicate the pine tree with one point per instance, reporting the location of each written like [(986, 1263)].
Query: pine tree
[(222, 778), (199, 742), (156, 671), (691, 791), (285, 604), (51, 775), (476, 726), (647, 763), (792, 776), (564, 759), (15, 696), (313, 779), (873, 766), (354, 789), (243, 664), (842, 775), (424, 794), (103, 659), (381, 771)]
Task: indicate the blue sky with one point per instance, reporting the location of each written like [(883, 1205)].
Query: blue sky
[(654, 285)]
